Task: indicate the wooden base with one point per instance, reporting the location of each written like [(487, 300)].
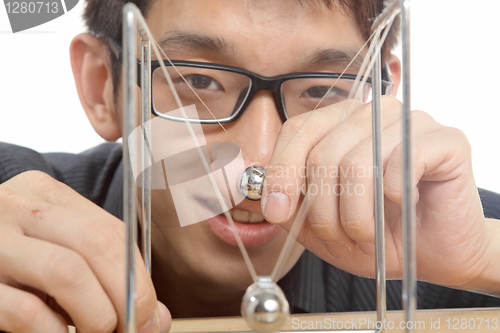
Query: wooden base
[(481, 320), (453, 320)]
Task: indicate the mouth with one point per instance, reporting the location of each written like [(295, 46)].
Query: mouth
[(253, 229), (242, 216)]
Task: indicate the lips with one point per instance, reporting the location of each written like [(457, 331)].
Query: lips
[(253, 230)]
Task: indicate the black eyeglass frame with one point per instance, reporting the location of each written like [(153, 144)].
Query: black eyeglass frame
[(258, 82)]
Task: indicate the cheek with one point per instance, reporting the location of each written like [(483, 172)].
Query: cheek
[(163, 208)]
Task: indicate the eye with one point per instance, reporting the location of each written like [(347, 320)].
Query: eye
[(198, 81), (319, 92)]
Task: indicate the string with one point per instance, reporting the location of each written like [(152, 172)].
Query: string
[(292, 235), (317, 105), (375, 47), (217, 191), (307, 202), (199, 98)]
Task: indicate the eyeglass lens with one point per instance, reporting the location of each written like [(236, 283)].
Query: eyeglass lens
[(224, 92)]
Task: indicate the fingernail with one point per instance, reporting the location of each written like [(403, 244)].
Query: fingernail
[(276, 207), (338, 249), (153, 324)]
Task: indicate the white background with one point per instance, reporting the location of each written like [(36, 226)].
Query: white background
[(455, 77)]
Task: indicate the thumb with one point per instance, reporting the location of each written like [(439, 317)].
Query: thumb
[(165, 318)]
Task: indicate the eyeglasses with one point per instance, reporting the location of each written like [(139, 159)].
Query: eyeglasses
[(226, 91)]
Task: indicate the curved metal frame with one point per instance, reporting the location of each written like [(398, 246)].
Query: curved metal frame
[(133, 25)]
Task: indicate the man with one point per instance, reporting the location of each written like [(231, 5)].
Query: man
[(61, 255)]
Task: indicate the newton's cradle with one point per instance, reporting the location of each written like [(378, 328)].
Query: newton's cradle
[(264, 306)]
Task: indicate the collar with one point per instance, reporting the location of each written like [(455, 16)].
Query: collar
[(114, 198), (304, 285)]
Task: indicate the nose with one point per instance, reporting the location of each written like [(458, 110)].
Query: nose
[(257, 128), (256, 131)]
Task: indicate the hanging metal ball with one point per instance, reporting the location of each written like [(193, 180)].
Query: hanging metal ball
[(252, 181), (264, 306)]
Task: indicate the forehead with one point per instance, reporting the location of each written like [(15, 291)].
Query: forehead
[(268, 37)]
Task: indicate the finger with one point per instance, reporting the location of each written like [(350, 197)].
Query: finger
[(64, 275), (165, 318), (438, 157), (101, 243), (356, 202), (95, 234), (22, 312), (324, 172), (50, 301), (41, 186), (298, 135)]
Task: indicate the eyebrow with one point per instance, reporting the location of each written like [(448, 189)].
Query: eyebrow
[(185, 41), (335, 57), (178, 40)]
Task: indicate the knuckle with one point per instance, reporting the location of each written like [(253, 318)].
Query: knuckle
[(303, 125), (356, 226), (390, 102), (321, 228), (6, 193), (460, 137), (64, 269), (145, 301), (320, 164), (349, 106), (43, 184), (350, 218), (106, 324), (36, 211), (7, 197), (291, 126), (119, 229), (353, 164), (390, 105), (37, 178), (396, 155), (422, 117), (279, 175), (32, 209), (101, 239), (30, 310)]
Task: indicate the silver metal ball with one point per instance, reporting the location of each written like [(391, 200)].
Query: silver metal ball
[(252, 181), (264, 306)]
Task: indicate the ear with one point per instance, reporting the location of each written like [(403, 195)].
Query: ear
[(94, 83), (395, 68)]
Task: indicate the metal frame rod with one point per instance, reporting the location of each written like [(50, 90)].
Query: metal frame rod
[(132, 26), (408, 209), (146, 151), (378, 188), (129, 186)]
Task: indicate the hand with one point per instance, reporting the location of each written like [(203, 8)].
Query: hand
[(334, 146), (62, 262)]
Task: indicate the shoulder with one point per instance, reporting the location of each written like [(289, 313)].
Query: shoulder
[(15, 160), (491, 203), (88, 173)]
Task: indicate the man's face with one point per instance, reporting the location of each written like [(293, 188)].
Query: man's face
[(268, 38)]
